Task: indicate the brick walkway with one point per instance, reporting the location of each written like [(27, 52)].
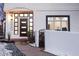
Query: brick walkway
[(32, 51)]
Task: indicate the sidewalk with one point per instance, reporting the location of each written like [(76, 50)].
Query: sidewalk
[(32, 51)]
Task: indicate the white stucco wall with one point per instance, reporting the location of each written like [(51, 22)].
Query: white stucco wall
[(56, 42), (7, 25), (42, 9), (10, 26), (40, 19), (44, 6), (62, 43)]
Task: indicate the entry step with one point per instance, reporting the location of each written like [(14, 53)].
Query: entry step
[(1, 37)]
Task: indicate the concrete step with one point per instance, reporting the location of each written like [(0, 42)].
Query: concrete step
[(6, 41), (1, 37)]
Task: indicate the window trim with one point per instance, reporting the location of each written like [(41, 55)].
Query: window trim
[(58, 16)]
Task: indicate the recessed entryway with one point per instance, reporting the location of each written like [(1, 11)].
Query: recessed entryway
[(23, 24)]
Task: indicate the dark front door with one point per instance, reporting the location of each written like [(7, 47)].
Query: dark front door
[(23, 27)]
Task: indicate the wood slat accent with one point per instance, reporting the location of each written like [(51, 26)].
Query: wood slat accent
[(19, 11)]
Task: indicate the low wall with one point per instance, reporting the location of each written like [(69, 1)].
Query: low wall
[(62, 43)]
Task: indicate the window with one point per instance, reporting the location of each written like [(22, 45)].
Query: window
[(16, 24), (31, 15), (16, 20), (30, 20), (29, 23), (25, 14), (16, 32), (16, 15), (58, 23), (21, 14), (16, 28)]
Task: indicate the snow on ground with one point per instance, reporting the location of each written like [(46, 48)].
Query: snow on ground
[(4, 51)]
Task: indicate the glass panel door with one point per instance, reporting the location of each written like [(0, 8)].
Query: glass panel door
[(23, 27)]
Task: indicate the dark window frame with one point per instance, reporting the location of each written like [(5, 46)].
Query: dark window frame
[(58, 16)]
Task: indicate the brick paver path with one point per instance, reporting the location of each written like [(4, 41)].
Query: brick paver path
[(32, 51)]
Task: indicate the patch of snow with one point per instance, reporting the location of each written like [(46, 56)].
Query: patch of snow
[(4, 51), (32, 44)]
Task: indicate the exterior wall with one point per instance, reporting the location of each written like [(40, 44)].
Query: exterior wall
[(44, 6), (10, 26), (62, 43), (41, 10), (40, 19)]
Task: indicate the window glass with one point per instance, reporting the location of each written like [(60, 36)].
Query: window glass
[(58, 18), (51, 25), (23, 27), (30, 24), (30, 20), (58, 23), (57, 26), (16, 15), (16, 28), (23, 22), (25, 14), (16, 24), (64, 25), (16, 32), (23, 32), (16, 20), (30, 28), (64, 18), (21, 14), (31, 15), (50, 19)]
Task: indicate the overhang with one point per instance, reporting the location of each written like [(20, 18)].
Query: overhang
[(19, 11)]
